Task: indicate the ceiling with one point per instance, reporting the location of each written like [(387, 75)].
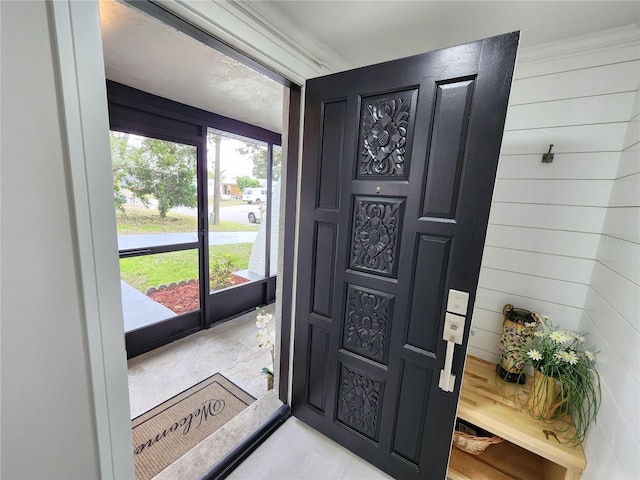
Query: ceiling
[(365, 32), (144, 53)]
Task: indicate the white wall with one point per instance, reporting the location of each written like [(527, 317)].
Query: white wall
[(48, 425), (563, 237), (546, 219), (612, 317)]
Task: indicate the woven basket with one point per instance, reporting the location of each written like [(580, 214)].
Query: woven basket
[(473, 444)]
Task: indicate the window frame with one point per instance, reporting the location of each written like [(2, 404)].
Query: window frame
[(136, 112)]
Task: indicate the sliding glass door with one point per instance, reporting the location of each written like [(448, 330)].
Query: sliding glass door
[(197, 233), (156, 201), (240, 195)]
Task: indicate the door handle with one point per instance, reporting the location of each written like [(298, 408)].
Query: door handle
[(453, 332)]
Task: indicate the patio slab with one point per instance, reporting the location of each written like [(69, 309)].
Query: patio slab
[(139, 310)]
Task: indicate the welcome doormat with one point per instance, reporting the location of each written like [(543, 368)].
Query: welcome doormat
[(168, 431)]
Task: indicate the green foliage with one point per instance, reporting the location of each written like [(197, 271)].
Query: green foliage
[(220, 269), (162, 269), (258, 154), (120, 152), (163, 170), (120, 201), (243, 182), (561, 355), (136, 220)]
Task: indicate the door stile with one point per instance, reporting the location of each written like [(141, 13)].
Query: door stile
[(203, 233)]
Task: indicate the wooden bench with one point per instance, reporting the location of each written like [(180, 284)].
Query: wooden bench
[(528, 453)]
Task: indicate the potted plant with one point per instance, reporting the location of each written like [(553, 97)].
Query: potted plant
[(265, 340), (565, 383)]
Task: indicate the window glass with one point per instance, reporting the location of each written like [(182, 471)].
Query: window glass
[(236, 177), (155, 196), (155, 191)]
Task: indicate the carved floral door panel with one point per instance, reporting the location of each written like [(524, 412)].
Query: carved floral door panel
[(399, 162)]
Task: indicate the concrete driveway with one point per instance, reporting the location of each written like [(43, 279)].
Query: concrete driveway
[(235, 213)]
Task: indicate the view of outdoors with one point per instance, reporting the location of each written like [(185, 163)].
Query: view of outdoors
[(155, 191)]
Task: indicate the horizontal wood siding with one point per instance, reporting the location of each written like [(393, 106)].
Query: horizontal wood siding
[(546, 222), (612, 318)]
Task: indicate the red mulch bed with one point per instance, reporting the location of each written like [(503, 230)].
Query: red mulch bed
[(185, 298)]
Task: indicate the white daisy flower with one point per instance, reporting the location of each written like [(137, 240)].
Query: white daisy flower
[(572, 358), (562, 355), (534, 354), (558, 336)]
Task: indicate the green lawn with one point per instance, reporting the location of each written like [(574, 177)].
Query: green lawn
[(163, 268), (228, 203), (138, 220)]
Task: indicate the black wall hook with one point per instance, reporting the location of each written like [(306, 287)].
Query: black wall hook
[(548, 157)]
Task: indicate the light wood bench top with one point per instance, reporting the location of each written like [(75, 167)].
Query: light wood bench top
[(488, 402)]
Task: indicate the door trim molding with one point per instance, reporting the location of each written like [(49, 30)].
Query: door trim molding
[(288, 252), (84, 120), (250, 30)]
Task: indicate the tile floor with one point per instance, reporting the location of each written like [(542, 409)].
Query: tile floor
[(297, 452), (230, 349), (294, 451)]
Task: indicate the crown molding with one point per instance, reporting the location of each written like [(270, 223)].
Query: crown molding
[(253, 31), (602, 40), (293, 36)]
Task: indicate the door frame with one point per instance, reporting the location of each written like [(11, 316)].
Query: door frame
[(140, 113), (77, 52)]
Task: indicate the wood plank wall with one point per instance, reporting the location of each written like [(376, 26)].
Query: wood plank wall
[(612, 318), (547, 220)]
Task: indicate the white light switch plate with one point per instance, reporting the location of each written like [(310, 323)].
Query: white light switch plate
[(457, 302)]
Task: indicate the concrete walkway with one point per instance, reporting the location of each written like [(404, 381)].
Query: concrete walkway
[(139, 310), (130, 242)]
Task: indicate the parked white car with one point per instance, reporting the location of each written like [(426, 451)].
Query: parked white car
[(255, 215), (254, 195)]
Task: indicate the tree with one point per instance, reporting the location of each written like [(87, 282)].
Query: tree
[(243, 182), (258, 153), (215, 142), (120, 153), (164, 170)]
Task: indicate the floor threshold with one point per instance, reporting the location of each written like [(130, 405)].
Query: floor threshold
[(235, 457)]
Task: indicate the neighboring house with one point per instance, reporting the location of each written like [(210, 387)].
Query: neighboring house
[(226, 188), (231, 189), (563, 238)]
